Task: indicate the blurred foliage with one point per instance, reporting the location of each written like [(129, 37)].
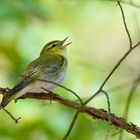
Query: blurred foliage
[(95, 27)]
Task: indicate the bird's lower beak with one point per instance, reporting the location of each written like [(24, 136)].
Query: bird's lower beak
[(63, 41)]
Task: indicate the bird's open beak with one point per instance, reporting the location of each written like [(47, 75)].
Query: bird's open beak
[(63, 41)]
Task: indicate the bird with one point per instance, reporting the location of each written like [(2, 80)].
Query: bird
[(51, 65)]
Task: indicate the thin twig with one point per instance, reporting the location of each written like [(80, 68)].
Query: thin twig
[(131, 48), (109, 111), (128, 102), (4, 91), (131, 93), (125, 25), (133, 4), (120, 61), (73, 120), (107, 133), (112, 71), (77, 112), (108, 101), (16, 120), (71, 125), (136, 25)]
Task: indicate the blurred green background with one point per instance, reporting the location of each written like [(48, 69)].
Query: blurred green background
[(98, 38)]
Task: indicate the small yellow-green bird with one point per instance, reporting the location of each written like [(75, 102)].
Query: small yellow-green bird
[(51, 65)]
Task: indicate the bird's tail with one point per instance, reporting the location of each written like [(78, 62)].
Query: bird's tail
[(7, 98)]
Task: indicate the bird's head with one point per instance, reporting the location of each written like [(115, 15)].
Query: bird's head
[(55, 47)]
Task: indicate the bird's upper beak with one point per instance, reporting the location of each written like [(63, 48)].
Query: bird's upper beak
[(63, 41)]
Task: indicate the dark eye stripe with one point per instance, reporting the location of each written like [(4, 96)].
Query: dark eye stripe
[(53, 46)]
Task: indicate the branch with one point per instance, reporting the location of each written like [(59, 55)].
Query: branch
[(125, 25), (112, 72), (90, 111), (130, 3), (71, 125), (128, 101)]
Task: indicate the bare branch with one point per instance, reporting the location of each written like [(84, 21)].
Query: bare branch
[(125, 25), (90, 111), (16, 120), (131, 93), (119, 62), (112, 71), (130, 3), (108, 101), (109, 111), (71, 125), (128, 101)]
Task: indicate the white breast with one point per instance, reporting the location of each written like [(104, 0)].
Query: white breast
[(36, 87)]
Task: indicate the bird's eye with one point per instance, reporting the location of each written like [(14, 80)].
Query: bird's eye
[(53, 45)]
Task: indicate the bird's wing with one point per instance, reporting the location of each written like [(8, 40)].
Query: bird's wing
[(38, 67), (29, 74), (43, 64)]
